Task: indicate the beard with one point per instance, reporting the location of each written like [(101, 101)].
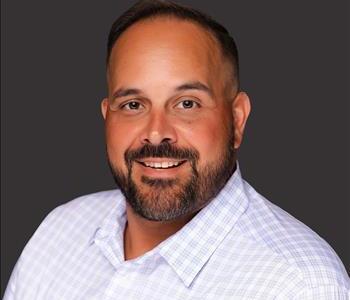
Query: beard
[(160, 199)]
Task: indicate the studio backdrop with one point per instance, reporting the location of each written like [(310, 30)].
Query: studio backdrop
[(295, 61)]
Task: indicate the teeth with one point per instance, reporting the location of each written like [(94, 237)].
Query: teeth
[(163, 165)]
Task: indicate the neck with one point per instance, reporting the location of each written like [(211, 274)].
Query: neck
[(142, 235)]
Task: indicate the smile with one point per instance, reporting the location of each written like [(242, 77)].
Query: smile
[(165, 164)]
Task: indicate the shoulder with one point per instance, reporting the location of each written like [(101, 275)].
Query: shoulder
[(91, 206), (84, 210), (72, 225), (299, 248), (65, 232)]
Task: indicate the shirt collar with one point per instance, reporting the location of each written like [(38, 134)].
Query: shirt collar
[(110, 233), (189, 249)]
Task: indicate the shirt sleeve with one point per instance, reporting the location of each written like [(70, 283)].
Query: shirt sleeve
[(326, 292)]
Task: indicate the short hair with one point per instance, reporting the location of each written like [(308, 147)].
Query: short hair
[(146, 9)]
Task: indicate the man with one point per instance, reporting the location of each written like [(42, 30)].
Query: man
[(183, 223)]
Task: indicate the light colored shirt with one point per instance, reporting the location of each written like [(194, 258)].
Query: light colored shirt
[(240, 246)]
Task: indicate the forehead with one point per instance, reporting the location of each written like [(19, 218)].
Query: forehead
[(167, 46)]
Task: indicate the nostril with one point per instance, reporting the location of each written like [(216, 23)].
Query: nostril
[(167, 140), (146, 141), (153, 141)]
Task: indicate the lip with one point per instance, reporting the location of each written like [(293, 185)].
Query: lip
[(159, 159), (158, 162), (159, 172)]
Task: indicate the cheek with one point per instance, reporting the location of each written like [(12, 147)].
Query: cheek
[(119, 138), (208, 136)]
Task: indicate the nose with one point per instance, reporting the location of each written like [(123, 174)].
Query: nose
[(158, 130)]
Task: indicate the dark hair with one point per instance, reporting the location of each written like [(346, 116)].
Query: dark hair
[(146, 9)]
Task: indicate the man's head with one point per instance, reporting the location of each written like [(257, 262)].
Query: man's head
[(174, 115), (151, 9)]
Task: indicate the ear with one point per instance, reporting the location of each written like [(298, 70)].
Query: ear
[(104, 107), (240, 110)]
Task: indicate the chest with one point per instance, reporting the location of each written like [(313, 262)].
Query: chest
[(91, 276)]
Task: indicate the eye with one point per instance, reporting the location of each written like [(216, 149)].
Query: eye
[(132, 105), (187, 104)]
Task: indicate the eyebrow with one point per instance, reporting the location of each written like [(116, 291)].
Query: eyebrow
[(191, 85), (125, 92), (194, 85)]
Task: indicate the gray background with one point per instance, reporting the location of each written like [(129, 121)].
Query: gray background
[(295, 67)]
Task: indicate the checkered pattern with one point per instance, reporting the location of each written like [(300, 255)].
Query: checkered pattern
[(240, 246)]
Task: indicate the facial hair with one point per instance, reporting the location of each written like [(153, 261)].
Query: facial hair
[(168, 199)]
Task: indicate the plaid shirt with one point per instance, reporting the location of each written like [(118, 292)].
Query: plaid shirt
[(240, 246)]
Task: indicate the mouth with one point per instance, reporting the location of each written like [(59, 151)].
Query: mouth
[(161, 163)]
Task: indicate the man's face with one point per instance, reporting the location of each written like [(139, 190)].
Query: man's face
[(169, 118)]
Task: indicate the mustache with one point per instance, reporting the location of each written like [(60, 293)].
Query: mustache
[(164, 149)]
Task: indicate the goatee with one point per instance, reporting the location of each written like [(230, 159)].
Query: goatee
[(160, 199)]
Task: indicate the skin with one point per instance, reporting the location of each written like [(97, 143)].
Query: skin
[(155, 59)]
